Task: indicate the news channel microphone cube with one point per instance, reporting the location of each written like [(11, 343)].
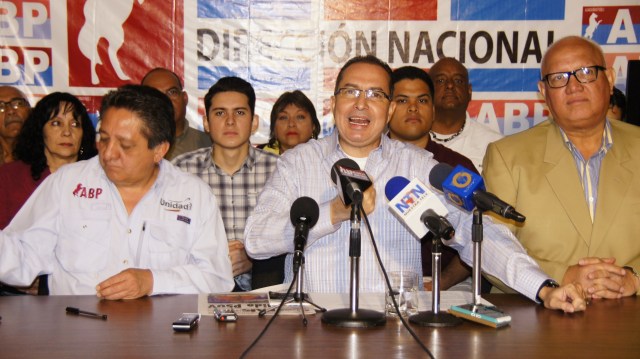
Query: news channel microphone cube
[(410, 203), (460, 185)]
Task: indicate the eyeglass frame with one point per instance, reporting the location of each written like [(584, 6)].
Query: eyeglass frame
[(367, 93), (15, 103), (597, 68)]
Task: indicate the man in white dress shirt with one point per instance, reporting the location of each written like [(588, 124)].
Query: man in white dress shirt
[(125, 223), (362, 108)]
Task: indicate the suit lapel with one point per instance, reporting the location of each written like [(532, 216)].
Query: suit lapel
[(565, 182), (612, 186)]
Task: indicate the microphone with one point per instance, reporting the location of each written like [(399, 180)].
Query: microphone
[(417, 207), (466, 190), (420, 209), (304, 215), (351, 181)]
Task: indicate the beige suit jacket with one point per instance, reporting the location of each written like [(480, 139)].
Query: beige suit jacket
[(535, 172)]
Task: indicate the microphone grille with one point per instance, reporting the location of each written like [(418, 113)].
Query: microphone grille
[(438, 174), (394, 186), (305, 208)]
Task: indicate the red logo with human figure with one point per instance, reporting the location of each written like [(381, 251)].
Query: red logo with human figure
[(85, 192), (115, 42)]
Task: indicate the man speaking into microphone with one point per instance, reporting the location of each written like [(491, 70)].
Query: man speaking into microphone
[(361, 109)]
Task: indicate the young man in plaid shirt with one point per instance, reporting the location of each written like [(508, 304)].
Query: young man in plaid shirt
[(235, 170)]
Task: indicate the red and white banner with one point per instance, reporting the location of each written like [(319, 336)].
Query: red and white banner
[(87, 47)]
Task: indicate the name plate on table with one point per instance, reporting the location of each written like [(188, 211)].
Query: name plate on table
[(249, 303)]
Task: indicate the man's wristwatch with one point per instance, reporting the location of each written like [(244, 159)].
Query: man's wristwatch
[(547, 283)]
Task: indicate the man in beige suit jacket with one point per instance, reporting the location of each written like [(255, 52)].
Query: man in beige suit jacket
[(576, 177)]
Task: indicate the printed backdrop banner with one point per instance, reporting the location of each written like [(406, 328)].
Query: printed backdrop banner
[(87, 47)]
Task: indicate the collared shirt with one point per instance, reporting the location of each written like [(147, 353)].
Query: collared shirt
[(589, 169), (305, 171), (472, 142), (190, 140), (76, 228), (237, 193)]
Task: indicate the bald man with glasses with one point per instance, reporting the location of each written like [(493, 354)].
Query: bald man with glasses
[(575, 176), (14, 109)]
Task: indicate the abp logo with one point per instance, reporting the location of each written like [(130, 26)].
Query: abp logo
[(25, 19), (116, 42), (26, 66), (611, 25)]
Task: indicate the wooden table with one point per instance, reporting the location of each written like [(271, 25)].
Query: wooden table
[(38, 327)]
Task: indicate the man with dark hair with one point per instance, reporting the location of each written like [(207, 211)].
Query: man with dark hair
[(187, 138), (361, 107), (410, 123), (126, 223), (235, 170), (451, 127), (575, 176), (14, 109)]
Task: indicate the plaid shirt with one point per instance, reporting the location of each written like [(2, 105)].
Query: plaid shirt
[(236, 194)]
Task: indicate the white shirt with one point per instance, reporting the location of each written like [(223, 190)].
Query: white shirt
[(76, 228), (472, 142), (305, 171)]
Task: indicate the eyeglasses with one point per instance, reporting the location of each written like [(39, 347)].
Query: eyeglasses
[(15, 104), (583, 75), (354, 93)]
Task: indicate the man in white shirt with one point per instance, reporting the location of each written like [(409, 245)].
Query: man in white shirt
[(126, 223), (451, 127), (361, 108)]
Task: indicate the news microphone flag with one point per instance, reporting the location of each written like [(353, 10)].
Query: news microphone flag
[(466, 190), (458, 186), (409, 200), (350, 180)]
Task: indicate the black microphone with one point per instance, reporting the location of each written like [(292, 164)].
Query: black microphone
[(437, 224), (304, 215), (465, 189), (351, 181)]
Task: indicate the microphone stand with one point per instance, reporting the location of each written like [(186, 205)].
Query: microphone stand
[(299, 296), (476, 237), (354, 317), (434, 317)]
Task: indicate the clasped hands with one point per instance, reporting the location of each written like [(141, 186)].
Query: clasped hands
[(590, 278), (601, 278)]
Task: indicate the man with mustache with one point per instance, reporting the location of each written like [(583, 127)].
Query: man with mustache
[(14, 109)]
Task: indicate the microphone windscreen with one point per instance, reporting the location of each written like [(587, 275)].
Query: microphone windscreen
[(344, 162), (438, 174), (305, 209), (394, 186)]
